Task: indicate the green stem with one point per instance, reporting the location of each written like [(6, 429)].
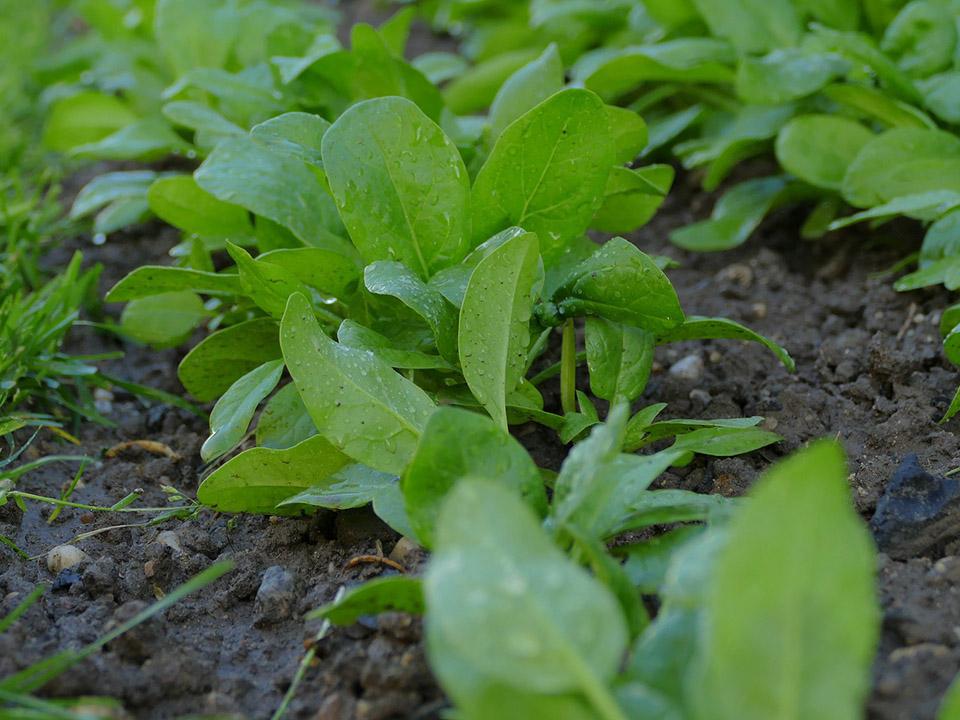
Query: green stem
[(568, 368), (551, 371), (98, 508)]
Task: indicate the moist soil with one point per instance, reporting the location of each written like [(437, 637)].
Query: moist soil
[(870, 372)]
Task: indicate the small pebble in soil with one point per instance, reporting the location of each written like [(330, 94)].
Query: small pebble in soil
[(916, 512), (64, 556), (700, 396), (275, 598), (689, 368), (170, 539), (65, 580)]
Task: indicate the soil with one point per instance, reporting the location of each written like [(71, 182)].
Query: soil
[(869, 371)]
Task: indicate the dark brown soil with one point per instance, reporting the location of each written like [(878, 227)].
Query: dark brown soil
[(869, 371)]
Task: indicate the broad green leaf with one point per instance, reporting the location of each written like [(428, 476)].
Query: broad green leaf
[(396, 593), (400, 185), (664, 507), (494, 331), (735, 216), (245, 97), (597, 482), (921, 206), (178, 200), (163, 320), (356, 401), (209, 127), (86, 117), (725, 441), (245, 172), (786, 74), (941, 95), (456, 444), (697, 327), (355, 335), (648, 561), (629, 131), (922, 38), (149, 280), (819, 148), (791, 603), (284, 421), (903, 161), (397, 280), (619, 358), (620, 283), (942, 238), (632, 197), (268, 285), (256, 480), (148, 139), (841, 14), (191, 35), (950, 706), (547, 171), (874, 104), (614, 72), (475, 89), (223, 357), (525, 89), (111, 187), (233, 412), (330, 271), (753, 26), (524, 615), (440, 66), (298, 134), (642, 430), (352, 486)]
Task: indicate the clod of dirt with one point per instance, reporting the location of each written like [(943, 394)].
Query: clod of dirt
[(276, 596), (916, 512), (139, 643), (64, 556)]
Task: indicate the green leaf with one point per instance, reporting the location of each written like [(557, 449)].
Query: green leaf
[(922, 38), (150, 280), (620, 283), (494, 331), (922, 206), (619, 357), (725, 441), (753, 26), (148, 139), (355, 335), (547, 172), (663, 507), (735, 216), (819, 148), (297, 134), (327, 269), (268, 285), (786, 74), (163, 320), (524, 615), (874, 104), (525, 89), (284, 421), (632, 197), (903, 161), (950, 706), (630, 134), (209, 127), (109, 188), (397, 280), (791, 603), (648, 561), (456, 444), (941, 94), (256, 480), (84, 118), (475, 89), (178, 200), (396, 593), (220, 359), (697, 327), (352, 486), (614, 72), (189, 35), (400, 185), (356, 401), (276, 185), (234, 410)]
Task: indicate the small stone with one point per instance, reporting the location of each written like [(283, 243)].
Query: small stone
[(65, 556), (700, 396), (715, 357), (689, 368), (170, 539), (769, 423), (738, 273), (150, 568), (404, 550), (275, 597), (65, 580), (946, 570), (759, 310)]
